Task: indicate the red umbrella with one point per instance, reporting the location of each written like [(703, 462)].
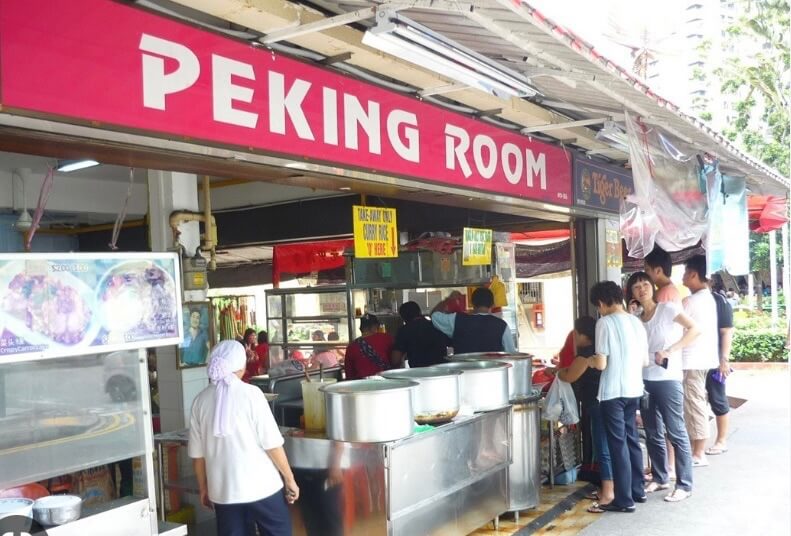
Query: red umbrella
[(766, 213)]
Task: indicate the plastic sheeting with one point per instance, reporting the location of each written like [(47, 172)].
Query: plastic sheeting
[(736, 226), (674, 187)]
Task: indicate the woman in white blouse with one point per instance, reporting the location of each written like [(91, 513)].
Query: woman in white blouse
[(668, 330)]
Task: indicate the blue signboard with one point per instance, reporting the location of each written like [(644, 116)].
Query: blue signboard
[(600, 186), (60, 304)]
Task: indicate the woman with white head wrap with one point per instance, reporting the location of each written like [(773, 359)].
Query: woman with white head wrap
[(237, 451)]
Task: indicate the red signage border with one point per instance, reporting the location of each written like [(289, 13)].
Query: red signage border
[(122, 66)]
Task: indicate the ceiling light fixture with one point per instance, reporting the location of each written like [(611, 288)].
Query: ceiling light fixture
[(403, 38), (67, 166)]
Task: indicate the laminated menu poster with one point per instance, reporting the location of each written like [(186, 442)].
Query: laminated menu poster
[(60, 304)]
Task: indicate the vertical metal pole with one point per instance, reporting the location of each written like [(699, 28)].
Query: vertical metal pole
[(773, 273), (573, 257), (751, 290), (786, 268)]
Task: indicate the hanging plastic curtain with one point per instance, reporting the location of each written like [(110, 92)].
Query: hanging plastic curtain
[(669, 206), (736, 224), (715, 237)]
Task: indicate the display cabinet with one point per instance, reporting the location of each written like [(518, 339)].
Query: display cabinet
[(308, 319), (59, 417)]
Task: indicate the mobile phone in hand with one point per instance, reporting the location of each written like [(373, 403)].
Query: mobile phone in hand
[(664, 363)]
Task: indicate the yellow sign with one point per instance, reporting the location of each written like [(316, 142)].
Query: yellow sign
[(476, 247), (375, 232)]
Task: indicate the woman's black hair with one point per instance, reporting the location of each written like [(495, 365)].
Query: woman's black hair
[(263, 337), (409, 311), (247, 333), (606, 292), (635, 278), (586, 325)]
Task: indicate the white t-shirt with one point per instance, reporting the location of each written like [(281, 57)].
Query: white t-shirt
[(662, 333), (238, 469), (703, 352), (621, 337)]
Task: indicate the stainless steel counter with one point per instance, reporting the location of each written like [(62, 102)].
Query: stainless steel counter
[(448, 481)]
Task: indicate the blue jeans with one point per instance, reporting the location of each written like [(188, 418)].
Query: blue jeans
[(619, 416), (601, 453), (666, 414), (270, 515)]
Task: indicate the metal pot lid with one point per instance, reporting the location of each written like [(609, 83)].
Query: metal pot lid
[(488, 356), (474, 366), (419, 372), (368, 386)]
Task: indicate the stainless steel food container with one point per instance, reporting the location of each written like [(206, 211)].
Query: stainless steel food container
[(437, 397), (369, 411), (484, 384), (520, 375), (57, 509)]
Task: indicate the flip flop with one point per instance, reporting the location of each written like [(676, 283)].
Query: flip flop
[(597, 508), (592, 496), (678, 495), (656, 486), (700, 463), (716, 451)]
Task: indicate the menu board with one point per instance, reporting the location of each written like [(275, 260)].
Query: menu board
[(63, 304)]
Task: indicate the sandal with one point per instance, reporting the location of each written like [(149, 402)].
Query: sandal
[(716, 451), (656, 486), (597, 508), (678, 495), (592, 496)]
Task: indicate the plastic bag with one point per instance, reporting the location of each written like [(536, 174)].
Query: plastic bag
[(561, 404)]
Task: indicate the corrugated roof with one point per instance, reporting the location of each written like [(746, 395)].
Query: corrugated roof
[(586, 84)]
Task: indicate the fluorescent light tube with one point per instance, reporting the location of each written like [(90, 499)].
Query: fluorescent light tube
[(400, 37), (73, 165)]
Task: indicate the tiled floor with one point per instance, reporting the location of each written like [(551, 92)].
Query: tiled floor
[(568, 523)]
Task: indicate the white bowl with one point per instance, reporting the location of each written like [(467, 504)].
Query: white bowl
[(57, 509), (16, 507)]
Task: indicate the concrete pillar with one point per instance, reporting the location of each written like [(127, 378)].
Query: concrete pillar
[(168, 192)]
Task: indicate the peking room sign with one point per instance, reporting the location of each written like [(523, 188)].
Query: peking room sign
[(176, 81), (600, 186)]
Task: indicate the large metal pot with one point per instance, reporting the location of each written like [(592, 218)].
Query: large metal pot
[(436, 399), (520, 375), (369, 411), (484, 384)]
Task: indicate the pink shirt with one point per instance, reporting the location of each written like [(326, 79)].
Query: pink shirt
[(327, 358), (668, 293)]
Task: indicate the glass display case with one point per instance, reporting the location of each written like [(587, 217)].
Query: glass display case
[(306, 320), (66, 418)]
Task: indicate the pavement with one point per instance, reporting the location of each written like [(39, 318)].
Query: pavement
[(744, 492)]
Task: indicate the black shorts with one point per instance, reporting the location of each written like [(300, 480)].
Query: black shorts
[(716, 395)]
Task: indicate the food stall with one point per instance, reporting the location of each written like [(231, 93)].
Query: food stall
[(75, 407), (425, 274)]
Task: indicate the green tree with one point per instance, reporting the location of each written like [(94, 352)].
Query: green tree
[(760, 82), (759, 252)]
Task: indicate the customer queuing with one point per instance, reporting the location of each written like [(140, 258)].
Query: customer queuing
[(621, 353), (668, 330), (585, 380), (715, 379), (700, 356)]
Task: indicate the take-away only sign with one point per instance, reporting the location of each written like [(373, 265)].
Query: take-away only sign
[(375, 232)]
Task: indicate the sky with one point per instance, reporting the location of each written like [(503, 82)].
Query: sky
[(602, 22)]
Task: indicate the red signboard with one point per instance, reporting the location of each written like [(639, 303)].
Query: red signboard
[(113, 64)]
